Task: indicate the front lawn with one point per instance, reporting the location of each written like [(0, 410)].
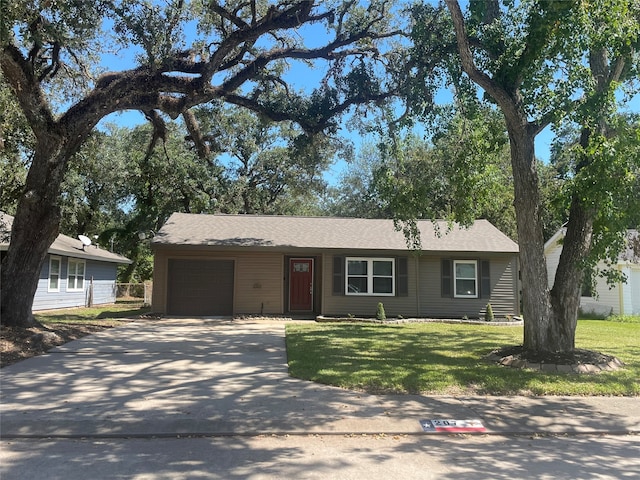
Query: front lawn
[(103, 315), (439, 358)]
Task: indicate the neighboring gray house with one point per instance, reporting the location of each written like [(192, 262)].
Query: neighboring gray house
[(246, 264), (604, 299), (73, 275)]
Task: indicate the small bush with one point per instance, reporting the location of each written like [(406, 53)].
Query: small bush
[(591, 315), (624, 318), (488, 316), (380, 315)]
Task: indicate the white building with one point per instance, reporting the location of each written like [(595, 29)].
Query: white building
[(622, 298)]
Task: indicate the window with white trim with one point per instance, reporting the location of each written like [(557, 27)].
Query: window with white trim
[(54, 274), (465, 280), (370, 276), (75, 275)]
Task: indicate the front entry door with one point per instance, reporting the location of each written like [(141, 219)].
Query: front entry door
[(301, 284)]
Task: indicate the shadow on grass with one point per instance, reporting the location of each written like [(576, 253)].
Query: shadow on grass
[(436, 359), (80, 315), (134, 312)]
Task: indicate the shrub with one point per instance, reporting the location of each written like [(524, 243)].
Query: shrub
[(488, 316), (380, 315)]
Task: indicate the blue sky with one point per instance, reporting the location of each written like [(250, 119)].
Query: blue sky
[(303, 78)]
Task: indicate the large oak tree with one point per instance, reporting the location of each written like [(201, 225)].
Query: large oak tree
[(541, 62), (187, 54)]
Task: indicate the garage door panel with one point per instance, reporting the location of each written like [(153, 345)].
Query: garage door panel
[(200, 287)]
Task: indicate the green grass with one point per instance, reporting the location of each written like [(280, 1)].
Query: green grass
[(103, 314), (438, 358)]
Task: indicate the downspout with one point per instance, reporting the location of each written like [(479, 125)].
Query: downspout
[(417, 263), (518, 285), (322, 275)]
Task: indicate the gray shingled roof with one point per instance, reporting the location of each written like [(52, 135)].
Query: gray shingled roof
[(283, 232), (68, 246)]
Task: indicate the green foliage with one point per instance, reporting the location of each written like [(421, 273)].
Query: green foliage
[(380, 314), (157, 28), (60, 39), (464, 174), (488, 316), (266, 168), (117, 187), (16, 143), (605, 176), (355, 194), (97, 184)]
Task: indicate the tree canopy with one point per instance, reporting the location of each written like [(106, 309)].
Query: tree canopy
[(186, 54)]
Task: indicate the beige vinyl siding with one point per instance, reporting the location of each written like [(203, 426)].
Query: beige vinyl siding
[(259, 283), (258, 278), (367, 305), (503, 296)]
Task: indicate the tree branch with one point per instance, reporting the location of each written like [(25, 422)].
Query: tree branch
[(195, 134), (309, 125), (159, 131), (226, 14), (497, 91), (20, 76)]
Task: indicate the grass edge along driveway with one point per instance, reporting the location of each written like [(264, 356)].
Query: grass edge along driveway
[(441, 358)]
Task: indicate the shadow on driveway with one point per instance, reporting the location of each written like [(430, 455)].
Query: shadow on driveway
[(208, 377)]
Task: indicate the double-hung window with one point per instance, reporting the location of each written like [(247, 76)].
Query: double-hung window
[(370, 276), (465, 278), (75, 275), (54, 274)]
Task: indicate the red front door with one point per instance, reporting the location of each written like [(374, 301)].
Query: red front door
[(301, 284)]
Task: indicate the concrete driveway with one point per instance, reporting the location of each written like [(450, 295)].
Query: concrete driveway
[(212, 377)]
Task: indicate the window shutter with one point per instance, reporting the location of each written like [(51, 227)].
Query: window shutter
[(447, 278), (338, 275), (402, 277), (485, 279)]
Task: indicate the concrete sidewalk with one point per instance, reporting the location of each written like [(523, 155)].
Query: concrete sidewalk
[(211, 377)]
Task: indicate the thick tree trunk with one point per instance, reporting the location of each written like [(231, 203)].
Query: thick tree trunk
[(538, 325), (34, 229), (550, 316), (565, 295)]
